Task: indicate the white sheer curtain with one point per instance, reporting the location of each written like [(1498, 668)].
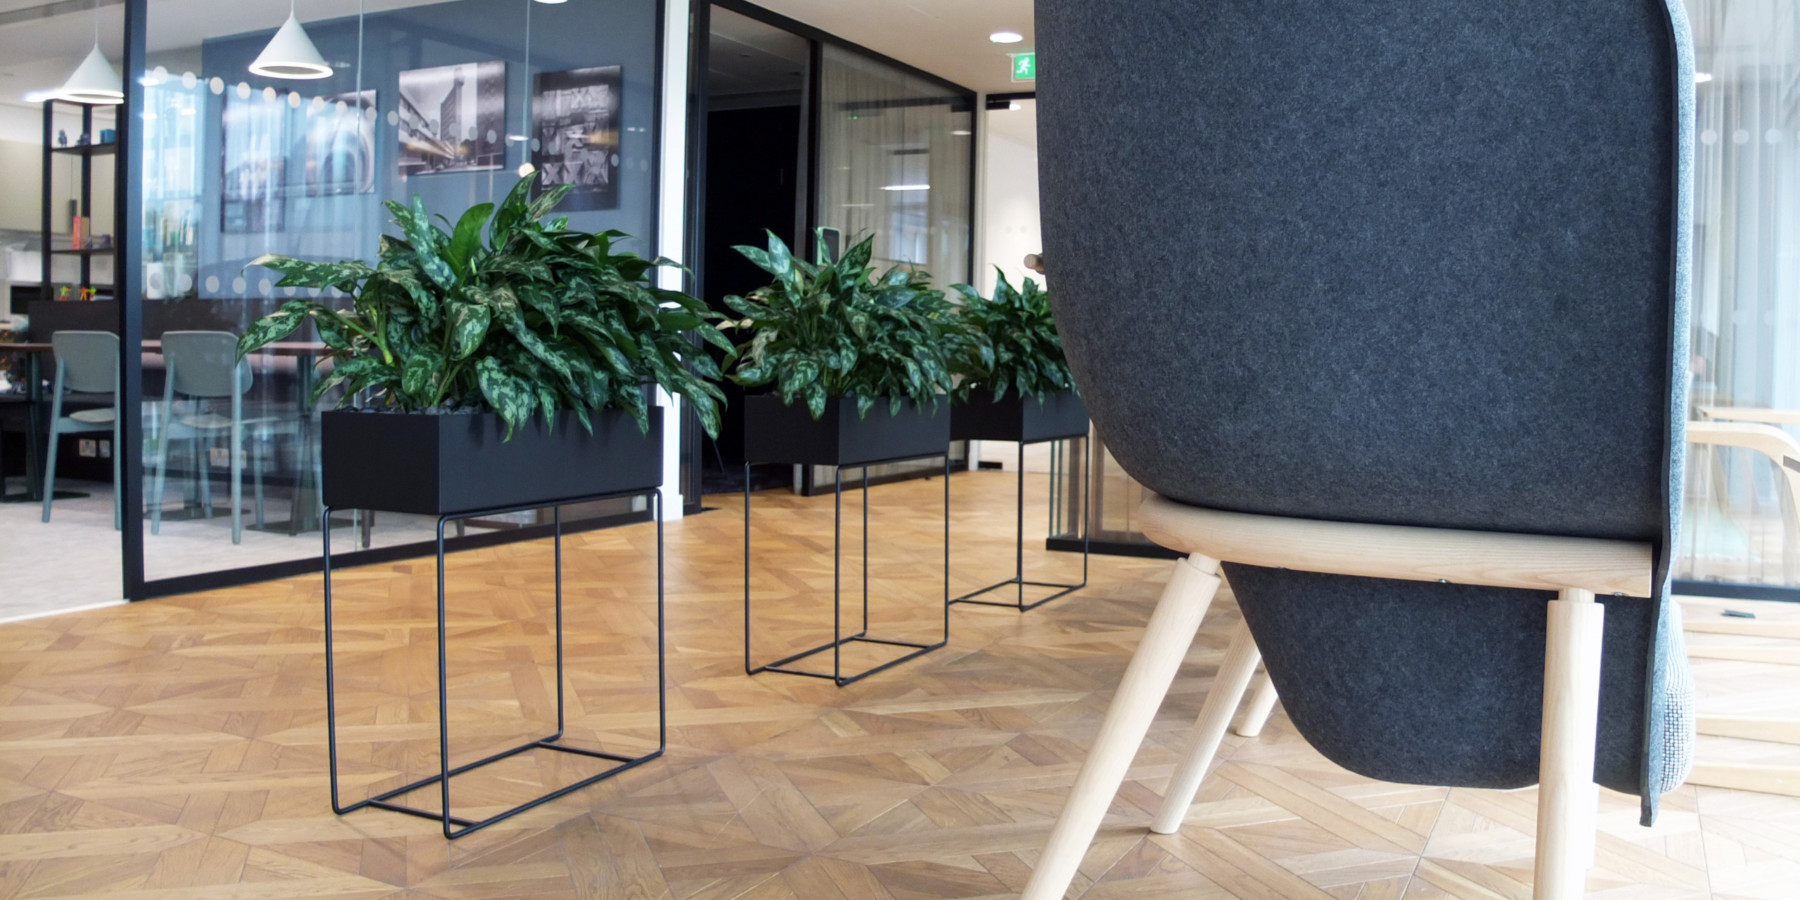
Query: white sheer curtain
[(1746, 288), (894, 161)]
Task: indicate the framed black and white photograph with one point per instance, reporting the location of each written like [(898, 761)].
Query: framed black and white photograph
[(340, 144), (253, 139), (575, 120), (453, 118)]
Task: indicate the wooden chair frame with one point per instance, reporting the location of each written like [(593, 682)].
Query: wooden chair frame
[(1576, 568)]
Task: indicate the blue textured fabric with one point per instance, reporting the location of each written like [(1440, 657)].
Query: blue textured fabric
[(1397, 262)]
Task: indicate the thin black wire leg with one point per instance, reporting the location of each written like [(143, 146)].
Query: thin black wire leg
[(1018, 577), (784, 665), (455, 826)]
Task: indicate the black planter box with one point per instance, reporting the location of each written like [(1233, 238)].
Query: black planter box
[(777, 433), (437, 465), (1016, 418)]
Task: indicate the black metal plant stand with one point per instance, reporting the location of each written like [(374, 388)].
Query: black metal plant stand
[(456, 826), (1018, 577), (839, 638)]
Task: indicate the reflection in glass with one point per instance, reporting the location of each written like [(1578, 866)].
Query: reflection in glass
[(414, 101), (1740, 519), (891, 165)]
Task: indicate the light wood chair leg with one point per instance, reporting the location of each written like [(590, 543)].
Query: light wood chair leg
[(1152, 669), (1566, 793), (1209, 729), (1262, 702)]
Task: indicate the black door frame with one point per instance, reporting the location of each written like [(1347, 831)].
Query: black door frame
[(699, 48)]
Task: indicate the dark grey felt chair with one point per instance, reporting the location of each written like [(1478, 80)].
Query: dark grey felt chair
[(1387, 303)]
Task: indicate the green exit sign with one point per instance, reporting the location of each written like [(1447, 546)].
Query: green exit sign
[(1024, 66)]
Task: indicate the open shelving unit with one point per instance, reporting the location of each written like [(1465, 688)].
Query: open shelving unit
[(83, 190)]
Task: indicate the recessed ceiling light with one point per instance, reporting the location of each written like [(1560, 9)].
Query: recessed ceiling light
[(1702, 77), (1006, 37), (906, 187), (962, 132)]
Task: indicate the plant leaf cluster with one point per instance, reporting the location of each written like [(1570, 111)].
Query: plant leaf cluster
[(535, 319), (832, 329), (1015, 345)]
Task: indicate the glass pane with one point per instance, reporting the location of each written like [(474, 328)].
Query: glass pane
[(1740, 511), (894, 162), (448, 103), (51, 136)]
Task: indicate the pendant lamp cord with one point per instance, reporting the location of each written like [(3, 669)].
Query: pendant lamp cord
[(362, 9)]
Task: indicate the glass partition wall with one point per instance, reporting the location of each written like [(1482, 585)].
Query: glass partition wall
[(1742, 535), (895, 159), (243, 133), (254, 137), (797, 130), (448, 104), (59, 119)]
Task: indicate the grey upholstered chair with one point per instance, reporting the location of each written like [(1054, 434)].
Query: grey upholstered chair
[(203, 366), (87, 362), (1386, 303)]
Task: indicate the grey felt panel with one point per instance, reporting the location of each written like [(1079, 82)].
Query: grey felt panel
[(1399, 262), (1467, 656)]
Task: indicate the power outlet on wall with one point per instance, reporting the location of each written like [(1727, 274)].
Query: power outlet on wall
[(220, 457), (87, 447), (106, 449)]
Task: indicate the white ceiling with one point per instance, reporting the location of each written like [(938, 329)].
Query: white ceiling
[(746, 56), (945, 37), (38, 53), (948, 38)]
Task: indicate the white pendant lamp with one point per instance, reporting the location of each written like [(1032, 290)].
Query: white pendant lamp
[(93, 82), (290, 54)]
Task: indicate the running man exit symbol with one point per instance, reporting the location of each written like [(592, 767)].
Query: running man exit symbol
[(1024, 66)]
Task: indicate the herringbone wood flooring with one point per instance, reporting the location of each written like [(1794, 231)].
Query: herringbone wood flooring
[(175, 749)]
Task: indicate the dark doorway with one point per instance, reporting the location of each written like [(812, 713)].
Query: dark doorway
[(754, 183), (750, 179)]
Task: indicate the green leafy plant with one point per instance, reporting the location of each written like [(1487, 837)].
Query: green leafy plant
[(832, 329), (535, 319), (1015, 345)]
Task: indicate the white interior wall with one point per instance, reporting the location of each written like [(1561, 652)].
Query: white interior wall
[(671, 215), (1010, 194), (1010, 230)]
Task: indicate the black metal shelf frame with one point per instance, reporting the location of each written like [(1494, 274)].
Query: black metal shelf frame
[(1018, 578), (839, 638), (456, 826)]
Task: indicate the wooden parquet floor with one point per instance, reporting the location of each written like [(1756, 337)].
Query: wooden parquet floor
[(176, 749)]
